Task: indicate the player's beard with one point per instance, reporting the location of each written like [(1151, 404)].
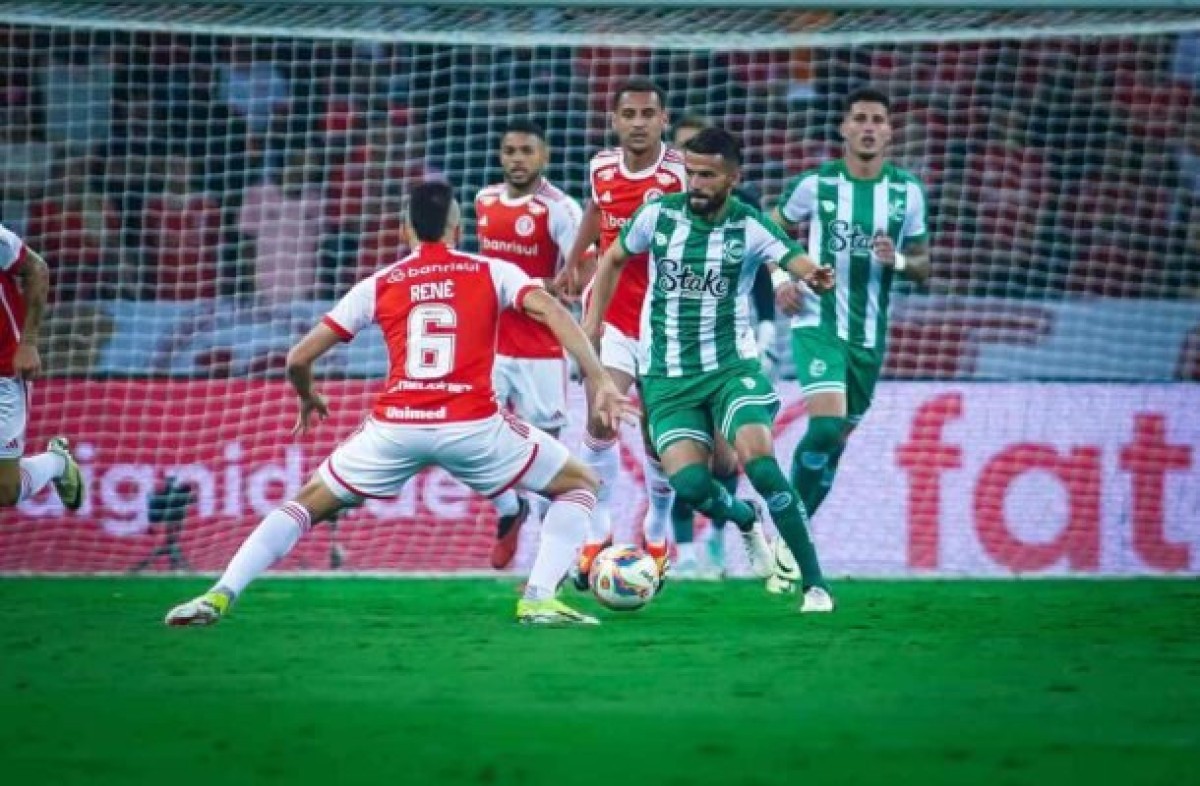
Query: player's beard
[(712, 204)]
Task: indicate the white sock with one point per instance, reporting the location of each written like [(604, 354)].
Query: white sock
[(686, 552), (563, 531), (605, 461), (507, 504), (37, 471), (657, 523), (267, 544)]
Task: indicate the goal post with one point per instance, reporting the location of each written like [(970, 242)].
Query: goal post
[(206, 178)]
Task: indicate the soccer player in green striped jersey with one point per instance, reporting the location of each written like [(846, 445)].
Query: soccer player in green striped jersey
[(699, 368), (866, 219)]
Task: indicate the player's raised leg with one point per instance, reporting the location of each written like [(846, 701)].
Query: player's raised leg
[(270, 542)]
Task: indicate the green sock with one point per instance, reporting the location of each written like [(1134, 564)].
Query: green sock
[(788, 513), (730, 484), (812, 459), (694, 484), (825, 485), (683, 521)]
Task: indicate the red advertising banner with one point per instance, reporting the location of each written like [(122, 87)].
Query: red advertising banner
[(977, 479)]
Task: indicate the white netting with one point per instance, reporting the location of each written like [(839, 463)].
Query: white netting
[(158, 154)]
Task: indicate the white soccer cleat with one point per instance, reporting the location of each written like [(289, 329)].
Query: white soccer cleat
[(785, 573), (817, 600), (762, 563), (204, 610)]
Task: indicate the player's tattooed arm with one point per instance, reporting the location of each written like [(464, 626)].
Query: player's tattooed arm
[(913, 263), (34, 275)]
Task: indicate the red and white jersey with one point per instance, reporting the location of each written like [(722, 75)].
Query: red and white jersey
[(534, 232), (438, 309), (12, 303), (617, 193)]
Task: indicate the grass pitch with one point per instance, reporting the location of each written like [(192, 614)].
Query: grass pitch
[(414, 682)]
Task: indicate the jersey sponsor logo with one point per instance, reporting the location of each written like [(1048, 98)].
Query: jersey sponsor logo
[(511, 246), (608, 173), (525, 226), (614, 222), (483, 221), (817, 368), (734, 250), (652, 194), (675, 277), (410, 413), (606, 197), (846, 236)]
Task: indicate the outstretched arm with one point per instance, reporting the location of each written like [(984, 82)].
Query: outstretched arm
[(604, 286), (570, 279), (300, 362), (610, 404), (34, 275)]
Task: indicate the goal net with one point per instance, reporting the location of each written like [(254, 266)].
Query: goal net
[(205, 179)]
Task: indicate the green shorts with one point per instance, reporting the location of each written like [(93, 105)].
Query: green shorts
[(825, 362), (698, 406)]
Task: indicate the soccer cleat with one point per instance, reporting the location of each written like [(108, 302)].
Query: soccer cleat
[(508, 531), (583, 566), (762, 564), (817, 600), (785, 571), (208, 609), (550, 611), (661, 554), (69, 485)]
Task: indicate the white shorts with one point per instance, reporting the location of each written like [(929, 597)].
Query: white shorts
[(489, 456), (619, 351), (534, 388), (14, 414)]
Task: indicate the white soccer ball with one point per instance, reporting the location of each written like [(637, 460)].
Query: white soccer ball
[(624, 578)]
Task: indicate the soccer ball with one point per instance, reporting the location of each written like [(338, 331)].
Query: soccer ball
[(624, 578)]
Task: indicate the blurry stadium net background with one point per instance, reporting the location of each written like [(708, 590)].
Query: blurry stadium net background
[(204, 179)]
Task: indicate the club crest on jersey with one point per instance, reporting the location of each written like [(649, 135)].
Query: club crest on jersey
[(734, 250), (525, 226), (748, 383), (896, 211), (828, 205), (817, 368), (675, 277), (652, 194), (843, 235), (660, 240)]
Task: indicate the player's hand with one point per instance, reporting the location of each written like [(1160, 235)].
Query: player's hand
[(565, 285), (611, 406), (884, 249), (789, 299), (821, 280), (27, 363), (309, 407)]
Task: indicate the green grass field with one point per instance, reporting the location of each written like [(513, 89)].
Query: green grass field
[(406, 682)]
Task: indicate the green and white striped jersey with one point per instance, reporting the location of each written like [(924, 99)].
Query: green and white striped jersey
[(843, 215), (696, 315)]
